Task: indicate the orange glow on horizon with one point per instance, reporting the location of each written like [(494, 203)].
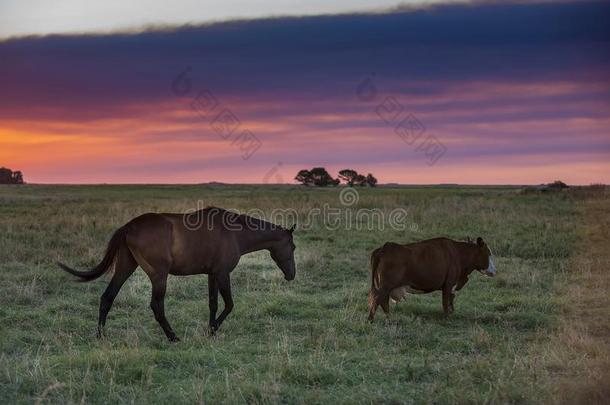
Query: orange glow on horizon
[(166, 142)]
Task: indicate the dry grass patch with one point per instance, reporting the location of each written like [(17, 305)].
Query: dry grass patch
[(580, 354)]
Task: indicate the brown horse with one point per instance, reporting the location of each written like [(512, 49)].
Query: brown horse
[(210, 241), (426, 266)]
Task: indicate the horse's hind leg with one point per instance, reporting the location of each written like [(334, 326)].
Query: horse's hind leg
[(224, 286), (123, 268), (156, 265)]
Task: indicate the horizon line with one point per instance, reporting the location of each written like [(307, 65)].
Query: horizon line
[(220, 183)]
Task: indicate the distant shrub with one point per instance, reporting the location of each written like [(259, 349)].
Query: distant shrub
[(557, 185)]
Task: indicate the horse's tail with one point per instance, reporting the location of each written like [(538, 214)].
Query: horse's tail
[(374, 292), (117, 240)]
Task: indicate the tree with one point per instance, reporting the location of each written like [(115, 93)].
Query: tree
[(348, 176), (352, 178), (371, 180), (318, 176), (7, 176), (360, 180), (321, 178), (304, 176), (17, 177)]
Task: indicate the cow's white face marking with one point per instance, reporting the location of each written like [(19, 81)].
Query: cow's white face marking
[(491, 269)]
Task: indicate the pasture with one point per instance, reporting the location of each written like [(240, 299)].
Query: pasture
[(305, 341)]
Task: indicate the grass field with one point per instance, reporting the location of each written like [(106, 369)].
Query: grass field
[(305, 341)]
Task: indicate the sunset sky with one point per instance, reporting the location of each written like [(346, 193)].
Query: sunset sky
[(124, 92)]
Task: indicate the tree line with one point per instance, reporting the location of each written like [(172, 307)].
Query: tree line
[(318, 176), (7, 176)]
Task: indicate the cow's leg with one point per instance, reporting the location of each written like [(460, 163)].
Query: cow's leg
[(377, 298), (451, 298), (446, 299), (384, 301), (372, 311), (372, 304)]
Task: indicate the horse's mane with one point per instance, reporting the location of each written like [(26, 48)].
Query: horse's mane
[(243, 219)]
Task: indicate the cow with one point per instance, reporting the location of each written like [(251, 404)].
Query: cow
[(423, 267)]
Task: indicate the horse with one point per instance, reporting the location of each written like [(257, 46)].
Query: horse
[(209, 241), (426, 266)]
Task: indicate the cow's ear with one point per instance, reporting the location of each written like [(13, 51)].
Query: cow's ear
[(480, 241), (291, 230)]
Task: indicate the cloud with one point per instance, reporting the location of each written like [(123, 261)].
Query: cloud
[(309, 57), (478, 76)]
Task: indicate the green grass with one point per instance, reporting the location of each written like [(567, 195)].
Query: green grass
[(304, 341)]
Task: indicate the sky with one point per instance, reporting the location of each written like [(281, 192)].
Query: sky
[(413, 92), (27, 17)]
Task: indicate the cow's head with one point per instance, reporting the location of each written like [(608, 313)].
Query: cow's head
[(483, 261)]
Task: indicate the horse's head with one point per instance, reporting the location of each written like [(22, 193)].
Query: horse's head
[(483, 261), (282, 253)]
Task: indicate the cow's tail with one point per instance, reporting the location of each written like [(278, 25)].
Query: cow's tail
[(117, 240), (374, 292)]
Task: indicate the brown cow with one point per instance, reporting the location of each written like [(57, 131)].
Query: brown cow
[(426, 266)]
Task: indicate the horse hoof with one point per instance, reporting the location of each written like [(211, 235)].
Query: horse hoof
[(173, 339), (212, 328)]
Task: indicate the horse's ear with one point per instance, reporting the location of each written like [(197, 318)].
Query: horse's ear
[(291, 230), (480, 241)]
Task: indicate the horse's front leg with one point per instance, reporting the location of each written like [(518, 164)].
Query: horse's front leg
[(224, 286), (212, 301)]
